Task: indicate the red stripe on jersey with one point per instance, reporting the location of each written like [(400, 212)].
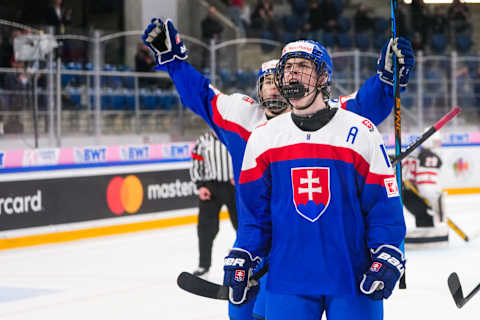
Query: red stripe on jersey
[(426, 182), (343, 102), (197, 157), (312, 151), (226, 124), (419, 173)]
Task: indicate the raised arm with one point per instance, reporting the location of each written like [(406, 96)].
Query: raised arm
[(374, 100), (223, 113)]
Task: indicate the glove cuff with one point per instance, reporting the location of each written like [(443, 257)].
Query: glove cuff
[(242, 252)]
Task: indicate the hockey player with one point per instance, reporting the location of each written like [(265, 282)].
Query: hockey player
[(423, 196), (233, 117), (319, 197)]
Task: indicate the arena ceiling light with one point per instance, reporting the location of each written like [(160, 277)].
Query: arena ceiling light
[(441, 1)]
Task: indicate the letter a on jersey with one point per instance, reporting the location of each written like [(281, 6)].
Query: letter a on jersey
[(311, 191)]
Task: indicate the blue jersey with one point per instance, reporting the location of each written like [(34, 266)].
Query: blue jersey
[(316, 202), (233, 117)]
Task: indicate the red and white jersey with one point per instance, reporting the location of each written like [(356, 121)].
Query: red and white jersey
[(424, 172)]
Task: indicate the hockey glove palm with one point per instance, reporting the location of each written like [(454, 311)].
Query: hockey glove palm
[(238, 268), (388, 265), (164, 41), (405, 57)]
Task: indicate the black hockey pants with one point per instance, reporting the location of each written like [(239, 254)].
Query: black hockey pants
[(208, 217)]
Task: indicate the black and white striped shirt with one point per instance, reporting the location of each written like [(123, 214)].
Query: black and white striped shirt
[(211, 160)]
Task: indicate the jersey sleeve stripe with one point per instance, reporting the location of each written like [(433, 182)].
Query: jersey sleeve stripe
[(226, 124), (309, 151)]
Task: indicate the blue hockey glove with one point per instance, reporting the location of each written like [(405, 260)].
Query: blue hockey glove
[(164, 41), (406, 61), (388, 265), (238, 268)]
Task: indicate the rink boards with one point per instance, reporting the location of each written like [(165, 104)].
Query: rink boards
[(60, 205), (56, 204)]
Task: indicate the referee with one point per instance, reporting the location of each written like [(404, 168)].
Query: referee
[(213, 174)]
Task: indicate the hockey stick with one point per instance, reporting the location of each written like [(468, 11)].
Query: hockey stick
[(427, 134), (207, 289), (456, 290), (457, 230), (450, 223), (397, 117)]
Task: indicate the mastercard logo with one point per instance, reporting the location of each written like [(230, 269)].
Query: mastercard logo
[(124, 194)]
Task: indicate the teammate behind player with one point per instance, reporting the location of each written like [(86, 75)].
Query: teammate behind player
[(319, 197), (233, 117)]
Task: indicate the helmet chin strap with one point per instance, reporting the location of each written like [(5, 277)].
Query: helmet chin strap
[(315, 94)]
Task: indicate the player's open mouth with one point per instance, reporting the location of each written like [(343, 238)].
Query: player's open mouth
[(294, 90)]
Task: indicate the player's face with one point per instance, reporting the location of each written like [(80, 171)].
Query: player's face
[(301, 70), (269, 90)]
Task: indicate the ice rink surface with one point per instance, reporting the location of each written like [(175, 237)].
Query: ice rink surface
[(133, 276)]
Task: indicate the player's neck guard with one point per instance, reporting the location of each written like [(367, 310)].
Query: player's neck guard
[(315, 121)]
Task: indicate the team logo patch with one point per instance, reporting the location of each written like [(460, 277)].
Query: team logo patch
[(391, 187), (375, 267), (311, 191), (177, 39), (239, 275)]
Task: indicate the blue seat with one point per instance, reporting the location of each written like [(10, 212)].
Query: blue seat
[(74, 79), (287, 37), (106, 99), (315, 36), (328, 39), (167, 100), (66, 79), (438, 43), (380, 26), (241, 78), (300, 7), (118, 100), (267, 36), (408, 100), (227, 77), (110, 81), (362, 41), (291, 23), (463, 43), (206, 72), (344, 24), (75, 96), (129, 99), (148, 100), (344, 41), (433, 81), (379, 41), (126, 82), (115, 81)]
